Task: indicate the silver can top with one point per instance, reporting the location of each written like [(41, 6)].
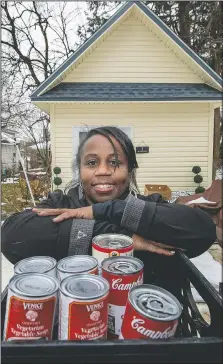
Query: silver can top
[(77, 264), (155, 302), (113, 241), (84, 287), (38, 264), (122, 265), (33, 285)]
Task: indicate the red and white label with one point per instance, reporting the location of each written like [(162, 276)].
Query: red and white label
[(30, 319), (119, 289), (83, 320), (136, 326), (101, 253)]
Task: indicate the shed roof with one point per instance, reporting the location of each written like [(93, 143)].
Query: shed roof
[(57, 76), (99, 91)]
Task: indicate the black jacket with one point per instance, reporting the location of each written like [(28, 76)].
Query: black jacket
[(26, 234)]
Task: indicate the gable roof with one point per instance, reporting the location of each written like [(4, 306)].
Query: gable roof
[(55, 77), (105, 91)]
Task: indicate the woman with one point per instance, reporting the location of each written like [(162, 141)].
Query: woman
[(105, 200)]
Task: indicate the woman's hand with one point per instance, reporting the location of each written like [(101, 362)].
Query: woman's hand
[(140, 243), (64, 214)]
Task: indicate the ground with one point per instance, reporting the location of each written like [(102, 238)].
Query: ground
[(216, 252)]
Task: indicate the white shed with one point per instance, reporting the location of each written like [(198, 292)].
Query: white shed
[(136, 73)]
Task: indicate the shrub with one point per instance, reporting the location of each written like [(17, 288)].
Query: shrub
[(199, 189), (38, 186), (196, 169), (57, 180), (198, 179), (57, 170)]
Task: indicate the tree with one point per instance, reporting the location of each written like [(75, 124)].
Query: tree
[(36, 38), (97, 13)]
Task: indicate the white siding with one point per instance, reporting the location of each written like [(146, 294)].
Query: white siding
[(177, 135), (132, 53), (10, 158)]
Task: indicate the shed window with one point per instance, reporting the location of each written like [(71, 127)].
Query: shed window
[(79, 133)]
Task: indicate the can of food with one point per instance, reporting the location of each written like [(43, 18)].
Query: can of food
[(30, 307), (151, 313), (122, 273), (38, 264), (76, 264), (83, 308), (111, 245)]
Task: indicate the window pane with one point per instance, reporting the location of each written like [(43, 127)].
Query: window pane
[(82, 135)]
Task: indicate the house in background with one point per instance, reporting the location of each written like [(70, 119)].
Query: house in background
[(9, 154), (137, 74)]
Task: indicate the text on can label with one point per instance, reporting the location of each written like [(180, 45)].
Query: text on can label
[(30, 319), (137, 324)]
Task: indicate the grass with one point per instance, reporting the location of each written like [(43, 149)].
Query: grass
[(12, 197)]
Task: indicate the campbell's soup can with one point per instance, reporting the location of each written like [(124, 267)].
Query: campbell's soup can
[(76, 264), (37, 264), (83, 308), (111, 245), (30, 307), (122, 273), (151, 313)]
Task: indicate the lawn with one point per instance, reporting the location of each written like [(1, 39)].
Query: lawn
[(13, 200)]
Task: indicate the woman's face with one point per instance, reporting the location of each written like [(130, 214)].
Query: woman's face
[(101, 180)]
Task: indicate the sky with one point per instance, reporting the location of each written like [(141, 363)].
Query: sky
[(75, 13)]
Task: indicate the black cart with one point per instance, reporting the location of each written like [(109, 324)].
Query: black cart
[(196, 341)]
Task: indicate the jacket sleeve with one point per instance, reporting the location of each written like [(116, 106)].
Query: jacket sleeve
[(166, 223), (26, 234)]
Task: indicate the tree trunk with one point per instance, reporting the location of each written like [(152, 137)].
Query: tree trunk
[(217, 138), (217, 57), (184, 21)]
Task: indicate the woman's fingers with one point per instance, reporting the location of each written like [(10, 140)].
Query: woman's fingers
[(151, 246), (48, 212), (168, 247), (155, 249), (82, 213), (64, 214)]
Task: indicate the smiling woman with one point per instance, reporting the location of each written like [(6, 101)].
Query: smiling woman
[(104, 174), (105, 199)]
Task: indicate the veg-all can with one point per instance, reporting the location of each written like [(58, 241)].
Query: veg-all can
[(30, 307), (111, 245), (122, 273), (151, 313), (76, 264), (83, 311), (38, 264)]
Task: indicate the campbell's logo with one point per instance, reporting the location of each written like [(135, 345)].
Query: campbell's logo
[(137, 324), (32, 306), (117, 284)]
